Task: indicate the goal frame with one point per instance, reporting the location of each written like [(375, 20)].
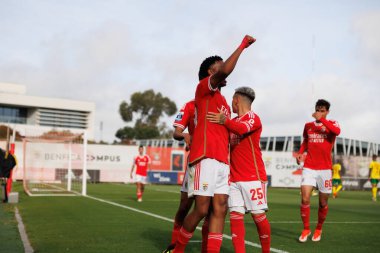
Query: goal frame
[(68, 140)]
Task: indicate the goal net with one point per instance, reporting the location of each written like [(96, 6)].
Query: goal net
[(54, 162)]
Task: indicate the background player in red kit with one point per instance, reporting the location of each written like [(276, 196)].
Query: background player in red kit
[(141, 162), (248, 191), (185, 119), (208, 178), (319, 137)]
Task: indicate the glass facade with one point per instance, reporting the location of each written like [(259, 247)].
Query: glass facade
[(13, 114)]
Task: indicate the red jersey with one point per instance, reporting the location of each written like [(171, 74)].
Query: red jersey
[(185, 117), (246, 159), (141, 163), (319, 138), (210, 140)]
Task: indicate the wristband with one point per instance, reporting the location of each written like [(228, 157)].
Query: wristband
[(244, 44)]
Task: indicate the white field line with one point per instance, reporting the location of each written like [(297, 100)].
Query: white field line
[(329, 222), (157, 190), (171, 220), (24, 237)]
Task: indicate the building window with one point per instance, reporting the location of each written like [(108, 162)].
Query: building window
[(13, 114)]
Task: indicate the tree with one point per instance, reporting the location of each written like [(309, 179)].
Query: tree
[(146, 108)]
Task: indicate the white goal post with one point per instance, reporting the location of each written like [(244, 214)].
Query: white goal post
[(55, 162)]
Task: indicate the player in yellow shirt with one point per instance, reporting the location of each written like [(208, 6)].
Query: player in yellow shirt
[(336, 179), (374, 176)]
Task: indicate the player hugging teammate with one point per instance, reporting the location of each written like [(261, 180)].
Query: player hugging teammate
[(226, 169)]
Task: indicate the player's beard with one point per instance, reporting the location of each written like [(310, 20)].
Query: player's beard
[(222, 84)]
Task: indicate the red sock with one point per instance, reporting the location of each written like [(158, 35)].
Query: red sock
[(182, 240), (322, 213), (214, 242), (305, 216), (175, 232), (237, 231), (263, 229), (139, 195), (205, 234)]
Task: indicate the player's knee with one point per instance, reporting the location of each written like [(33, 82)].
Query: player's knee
[(201, 212), (184, 208), (220, 210), (323, 204), (305, 201)]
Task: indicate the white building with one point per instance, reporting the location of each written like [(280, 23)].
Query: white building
[(17, 108)]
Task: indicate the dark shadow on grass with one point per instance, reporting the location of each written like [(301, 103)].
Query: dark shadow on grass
[(161, 239)]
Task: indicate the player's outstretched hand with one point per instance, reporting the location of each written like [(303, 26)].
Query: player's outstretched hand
[(247, 41)]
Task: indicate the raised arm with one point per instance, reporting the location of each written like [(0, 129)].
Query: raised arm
[(229, 65)]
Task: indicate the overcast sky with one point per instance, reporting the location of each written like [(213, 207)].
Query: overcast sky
[(103, 51)]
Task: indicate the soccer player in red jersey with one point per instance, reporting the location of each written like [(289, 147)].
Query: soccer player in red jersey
[(141, 162), (209, 171), (185, 119), (248, 191), (318, 140)]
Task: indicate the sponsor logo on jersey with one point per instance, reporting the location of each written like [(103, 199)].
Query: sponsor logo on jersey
[(205, 186), (179, 116)]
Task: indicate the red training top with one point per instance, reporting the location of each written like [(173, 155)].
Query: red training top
[(210, 140), (141, 163), (246, 159), (319, 138)]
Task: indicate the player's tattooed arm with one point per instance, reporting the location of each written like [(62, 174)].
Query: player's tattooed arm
[(220, 118), (216, 117)]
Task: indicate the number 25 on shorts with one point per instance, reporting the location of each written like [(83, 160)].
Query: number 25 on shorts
[(257, 193)]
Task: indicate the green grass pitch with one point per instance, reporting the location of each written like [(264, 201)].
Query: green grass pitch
[(116, 222)]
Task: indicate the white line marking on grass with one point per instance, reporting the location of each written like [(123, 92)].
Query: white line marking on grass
[(166, 191), (171, 220), (162, 200), (21, 229), (331, 222)]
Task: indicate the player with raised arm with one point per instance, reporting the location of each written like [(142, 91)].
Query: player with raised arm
[(336, 179), (209, 172), (374, 176), (185, 119), (318, 140), (141, 162), (248, 191)]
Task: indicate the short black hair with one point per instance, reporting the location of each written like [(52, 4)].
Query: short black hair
[(206, 64), (141, 146), (324, 103)]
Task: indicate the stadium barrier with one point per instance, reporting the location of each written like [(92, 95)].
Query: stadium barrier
[(112, 163)]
